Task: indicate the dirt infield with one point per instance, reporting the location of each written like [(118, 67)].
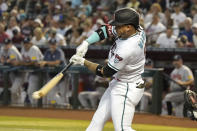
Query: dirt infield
[(87, 115)]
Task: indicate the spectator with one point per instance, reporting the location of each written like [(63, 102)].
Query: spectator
[(186, 6), (105, 5), (93, 96), (31, 55), (10, 55), (38, 38), (26, 27), (178, 16), (187, 29), (12, 25), (145, 6), (58, 16), (71, 24), (37, 23), (3, 34), (76, 3), (162, 3), (117, 4), (170, 22), (194, 13), (67, 6), (14, 13), (59, 38), (166, 40), (3, 6), (154, 10), (95, 4), (86, 7), (182, 78), (194, 30), (87, 27), (77, 37), (62, 27), (182, 42), (55, 57), (17, 37), (154, 28), (133, 4)]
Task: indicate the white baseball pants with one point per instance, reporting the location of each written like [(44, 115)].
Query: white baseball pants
[(17, 82), (33, 86), (177, 99), (118, 103)]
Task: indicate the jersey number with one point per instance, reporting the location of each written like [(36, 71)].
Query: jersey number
[(142, 40)]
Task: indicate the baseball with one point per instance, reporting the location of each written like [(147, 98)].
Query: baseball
[(36, 95)]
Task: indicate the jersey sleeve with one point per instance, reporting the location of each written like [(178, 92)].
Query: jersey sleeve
[(35, 54), (15, 54), (188, 75)]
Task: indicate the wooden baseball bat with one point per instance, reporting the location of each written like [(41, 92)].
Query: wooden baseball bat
[(49, 85)]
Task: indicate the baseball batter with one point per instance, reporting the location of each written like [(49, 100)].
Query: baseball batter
[(126, 64)]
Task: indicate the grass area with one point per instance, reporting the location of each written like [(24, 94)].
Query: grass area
[(45, 124)]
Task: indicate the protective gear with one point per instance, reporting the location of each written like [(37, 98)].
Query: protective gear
[(82, 49), (126, 16), (191, 98), (98, 70), (77, 60), (191, 101)]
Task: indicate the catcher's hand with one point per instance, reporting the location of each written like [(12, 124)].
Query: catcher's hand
[(191, 98)]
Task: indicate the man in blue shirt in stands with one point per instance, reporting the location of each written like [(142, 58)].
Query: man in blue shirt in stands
[(54, 56)]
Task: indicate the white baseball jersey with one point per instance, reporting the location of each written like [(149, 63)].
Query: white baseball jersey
[(178, 18), (12, 53), (128, 58), (33, 54)]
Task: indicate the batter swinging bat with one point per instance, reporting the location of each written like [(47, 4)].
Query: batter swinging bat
[(48, 86)]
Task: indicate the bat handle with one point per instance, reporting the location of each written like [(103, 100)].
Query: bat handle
[(65, 69)]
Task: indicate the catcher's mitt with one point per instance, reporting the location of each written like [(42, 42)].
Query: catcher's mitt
[(191, 98)]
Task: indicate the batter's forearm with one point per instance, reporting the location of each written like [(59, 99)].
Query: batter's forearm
[(90, 65), (98, 35)]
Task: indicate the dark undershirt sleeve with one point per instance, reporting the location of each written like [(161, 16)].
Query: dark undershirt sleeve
[(108, 71)]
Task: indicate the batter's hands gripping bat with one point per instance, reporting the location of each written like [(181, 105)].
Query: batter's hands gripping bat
[(48, 86)]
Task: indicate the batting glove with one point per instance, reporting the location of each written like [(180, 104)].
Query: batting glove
[(82, 49), (77, 60)]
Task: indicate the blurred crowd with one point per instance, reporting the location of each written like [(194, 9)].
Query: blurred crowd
[(168, 23), (56, 23)]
